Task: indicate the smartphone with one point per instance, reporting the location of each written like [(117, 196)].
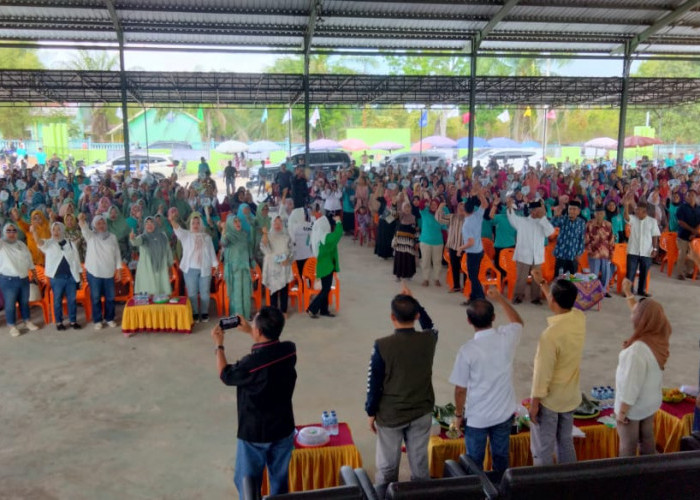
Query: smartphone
[(230, 322)]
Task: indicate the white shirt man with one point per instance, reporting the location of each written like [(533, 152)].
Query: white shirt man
[(642, 246), (483, 376)]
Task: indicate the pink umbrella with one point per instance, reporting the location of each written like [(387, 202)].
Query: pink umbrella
[(417, 146), (388, 146), (353, 144), (439, 141), (601, 143), (638, 141), (321, 144)]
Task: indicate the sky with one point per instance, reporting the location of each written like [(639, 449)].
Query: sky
[(257, 63)]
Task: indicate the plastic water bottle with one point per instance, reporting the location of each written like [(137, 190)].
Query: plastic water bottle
[(595, 392), (333, 423), (611, 392), (326, 421)]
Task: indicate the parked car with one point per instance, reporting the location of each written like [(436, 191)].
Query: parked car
[(153, 163), (170, 145), (328, 161), (429, 159), (512, 157)]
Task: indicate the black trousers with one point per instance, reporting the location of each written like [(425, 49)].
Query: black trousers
[(280, 298), (568, 266), (300, 265), (320, 302), (456, 265)]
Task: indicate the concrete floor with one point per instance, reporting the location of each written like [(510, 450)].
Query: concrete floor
[(88, 414)]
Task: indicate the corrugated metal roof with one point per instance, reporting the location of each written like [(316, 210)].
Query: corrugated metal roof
[(531, 26)]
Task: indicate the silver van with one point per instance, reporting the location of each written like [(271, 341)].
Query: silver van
[(429, 159)]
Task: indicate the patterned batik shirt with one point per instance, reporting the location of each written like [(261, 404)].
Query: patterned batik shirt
[(570, 239)]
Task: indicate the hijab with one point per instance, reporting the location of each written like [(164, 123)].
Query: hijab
[(246, 222), (118, 227), (4, 228), (62, 238), (651, 327), (16, 251), (157, 244), (321, 229), (235, 236), (102, 235), (296, 221), (262, 221)]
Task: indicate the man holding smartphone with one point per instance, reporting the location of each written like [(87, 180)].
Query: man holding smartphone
[(265, 381)]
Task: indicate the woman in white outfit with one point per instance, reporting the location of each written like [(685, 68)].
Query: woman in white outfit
[(639, 373), (15, 263), (276, 246), (198, 257), (63, 270)]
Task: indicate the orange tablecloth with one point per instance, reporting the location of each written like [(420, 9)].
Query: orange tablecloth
[(671, 423), (316, 468), (171, 318), (600, 442)]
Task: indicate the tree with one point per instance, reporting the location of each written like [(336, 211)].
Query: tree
[(101, 118), (14, 123)]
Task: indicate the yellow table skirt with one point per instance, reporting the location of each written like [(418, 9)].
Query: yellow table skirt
[(316, 468), (600, 442), (171, 318), (669, 429)]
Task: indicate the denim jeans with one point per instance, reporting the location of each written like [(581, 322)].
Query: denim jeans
[(251, 459), (473, 265), (64, 285), (15, 290), (601, 266), (101, 287), (198, 285), (644, 264), (499, 435)]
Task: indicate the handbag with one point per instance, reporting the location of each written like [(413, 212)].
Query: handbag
[(34, 292)]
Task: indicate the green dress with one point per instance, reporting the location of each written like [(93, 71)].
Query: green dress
[(155, 259), (238, 261)]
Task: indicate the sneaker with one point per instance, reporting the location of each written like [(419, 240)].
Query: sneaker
[(205, 318), (517, 300), (328, 315), (112, 324), (14, 331), (536, 302), (60, 327), (31, 326), (75, 326), (311, 315), (99, 326), (195, 318)]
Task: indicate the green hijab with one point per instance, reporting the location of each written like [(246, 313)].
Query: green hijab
[(119, 226)]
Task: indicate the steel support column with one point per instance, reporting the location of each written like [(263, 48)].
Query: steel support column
[(125, 111), (623, 107), (307, 130), (472, 106)]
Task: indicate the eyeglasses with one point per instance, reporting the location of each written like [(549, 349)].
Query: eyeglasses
[(10, 230)]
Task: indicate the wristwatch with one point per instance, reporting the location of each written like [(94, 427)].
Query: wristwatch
[(219, 348)]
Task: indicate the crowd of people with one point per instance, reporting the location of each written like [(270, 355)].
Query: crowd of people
[(72, 227)]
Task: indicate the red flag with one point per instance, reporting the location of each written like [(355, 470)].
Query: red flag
[(465, 118), (551, 115)]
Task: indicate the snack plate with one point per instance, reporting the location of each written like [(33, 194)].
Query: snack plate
[(579, 416)]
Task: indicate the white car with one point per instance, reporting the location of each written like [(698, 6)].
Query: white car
[(153, 163), (430, 160), (512, 157)]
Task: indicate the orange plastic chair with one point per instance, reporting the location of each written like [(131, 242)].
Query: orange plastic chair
[(548, 270), (695, 247), (309, 278), (448, 278), (123, 276), (174, 280), (506, 261), (669, 244), (82, 297), (256, 277), (489, 249), (44, 290), (488, 275), (294, 288), (553, 237), (219, 294), (583, 262), (619, 260)]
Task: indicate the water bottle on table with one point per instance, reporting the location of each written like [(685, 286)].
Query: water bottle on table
[(326, 421), (333, 423)]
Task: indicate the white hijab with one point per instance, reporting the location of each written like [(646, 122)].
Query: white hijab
[(319, 232), (296, 220)]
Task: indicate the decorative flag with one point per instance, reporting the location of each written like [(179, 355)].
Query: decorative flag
[(263, 119), (465, 118), (287, 116), (528, 112), (315, 117), (423, 122), (504, 117), (551, 115)]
